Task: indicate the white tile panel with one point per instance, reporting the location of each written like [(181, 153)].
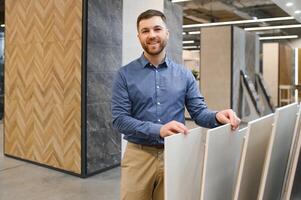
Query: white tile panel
[(253, 157), (293, 161), (278, 152), (222, 154), (183, 165)]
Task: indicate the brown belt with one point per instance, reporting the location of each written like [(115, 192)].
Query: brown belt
[(155, 146)]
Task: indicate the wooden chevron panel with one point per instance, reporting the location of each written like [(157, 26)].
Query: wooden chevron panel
[(43, 82)]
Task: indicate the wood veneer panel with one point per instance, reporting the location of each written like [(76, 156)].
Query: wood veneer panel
[(43, 82)]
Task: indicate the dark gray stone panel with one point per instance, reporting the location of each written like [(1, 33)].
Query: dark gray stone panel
[(105, 21), (103, 151), (99, 87), (174, 15), (103, 58), (99, 116), (251, 54), (238, 61)]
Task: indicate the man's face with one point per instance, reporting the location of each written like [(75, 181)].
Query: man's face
[(153, 35)]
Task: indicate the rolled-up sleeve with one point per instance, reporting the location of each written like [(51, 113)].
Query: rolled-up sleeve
[(196, 105), (121, 112)]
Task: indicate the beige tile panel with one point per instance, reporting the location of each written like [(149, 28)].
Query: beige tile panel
[(215, 69)]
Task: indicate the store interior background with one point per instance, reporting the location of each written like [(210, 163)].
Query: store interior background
[(250, 45)]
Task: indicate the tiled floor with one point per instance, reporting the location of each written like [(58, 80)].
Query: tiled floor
[(25, 181)]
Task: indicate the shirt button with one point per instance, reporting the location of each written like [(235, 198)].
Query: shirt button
[(158, 103), (156, 71), (159, 120), (158, 86)]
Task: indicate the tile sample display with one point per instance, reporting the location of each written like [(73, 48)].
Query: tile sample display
[(183, 165), (293, 161), (104, 50), (222, 154), (278, 152), (253, 156), (211, 68)]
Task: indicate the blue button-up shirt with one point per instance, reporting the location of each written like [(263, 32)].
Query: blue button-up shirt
[(145, 97)]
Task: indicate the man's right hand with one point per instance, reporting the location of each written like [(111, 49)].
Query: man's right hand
[(172, 128)]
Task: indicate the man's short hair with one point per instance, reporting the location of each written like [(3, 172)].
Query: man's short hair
[(149, 14)]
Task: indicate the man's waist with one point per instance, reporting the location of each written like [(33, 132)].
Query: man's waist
[(143, 146)]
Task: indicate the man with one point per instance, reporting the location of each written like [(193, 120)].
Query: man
[(149, 95)]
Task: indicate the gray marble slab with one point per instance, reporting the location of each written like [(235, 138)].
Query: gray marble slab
[(174, 20), (104, 58), (278, 153), (221, 162), (239, 63), (251, 55), (99, 87), (183, 165), (253, 157), (105, 22)]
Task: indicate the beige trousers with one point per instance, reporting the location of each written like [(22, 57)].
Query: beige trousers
[(142, 173)]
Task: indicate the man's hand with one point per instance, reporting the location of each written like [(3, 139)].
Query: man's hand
[(228, 116), (171, 128)]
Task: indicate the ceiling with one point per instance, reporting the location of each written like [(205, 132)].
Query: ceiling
[(208, 11)]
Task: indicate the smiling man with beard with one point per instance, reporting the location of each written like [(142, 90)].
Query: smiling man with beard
[(148, 102)]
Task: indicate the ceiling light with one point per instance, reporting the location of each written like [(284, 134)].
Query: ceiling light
[(272, 27), (177, 1), (2, 25), (188, 42), (238, 22), (190, 47), (194, 32), (279, 37), (289, 4), (297, 11), (184, 33)]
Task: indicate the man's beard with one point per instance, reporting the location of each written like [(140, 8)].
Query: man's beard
[(148, 49)]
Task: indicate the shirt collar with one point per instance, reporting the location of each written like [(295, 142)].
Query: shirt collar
[(145, 63)]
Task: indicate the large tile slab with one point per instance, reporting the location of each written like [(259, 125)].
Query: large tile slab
[(292, 180), (222, 154), (278, 153), (253, 156), (183, 165)]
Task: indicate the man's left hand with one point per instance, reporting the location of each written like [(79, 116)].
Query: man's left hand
[(228, 116)]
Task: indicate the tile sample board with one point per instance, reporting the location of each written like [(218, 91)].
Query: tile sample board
[(293, 161), (253, 156), (278, 152), (183, 165), (222, 154)]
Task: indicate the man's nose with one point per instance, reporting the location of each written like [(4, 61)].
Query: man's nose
[(152, 34)]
